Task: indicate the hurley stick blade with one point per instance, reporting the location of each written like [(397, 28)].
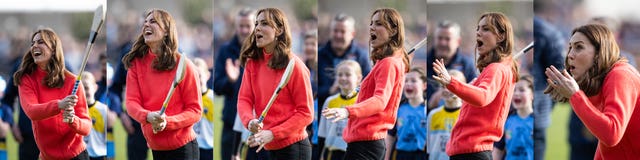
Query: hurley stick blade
[(180, 71), (523, 51), (283, 82), (417, 45), (98, 21)]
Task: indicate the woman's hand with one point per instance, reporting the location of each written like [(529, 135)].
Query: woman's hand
[(69, 114), (68, 102), (336, 114), (563, 84), (260, 139), (442, 76), (255, 126)]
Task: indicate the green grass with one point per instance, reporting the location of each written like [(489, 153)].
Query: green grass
[(121, 137), (557, 134)]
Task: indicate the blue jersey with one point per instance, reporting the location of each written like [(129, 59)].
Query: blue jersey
[(518, 134), (411, 128)]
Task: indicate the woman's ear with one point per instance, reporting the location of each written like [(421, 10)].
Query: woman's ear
[(501, 38)]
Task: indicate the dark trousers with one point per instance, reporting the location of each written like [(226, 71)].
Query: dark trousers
[(136, 144), (228, 141), (413, 155), (333, 154), (189, 151), (300, 150), (583, 151), (484, 155), (366, 150), (206, 154), (252, 155), (84, 155), (539, 143), (28, 150)]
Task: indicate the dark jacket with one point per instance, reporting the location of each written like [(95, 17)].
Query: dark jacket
[(327, 60), (459, 62), (221, 83)]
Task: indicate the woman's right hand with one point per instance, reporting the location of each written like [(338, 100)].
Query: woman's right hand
[(442, 76), (68, 102), (255, 126)]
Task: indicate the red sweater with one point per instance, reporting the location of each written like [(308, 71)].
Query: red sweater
[(613, 116), (55, 139), (291, 111), (146, 90), (484, 109), (376, 109)]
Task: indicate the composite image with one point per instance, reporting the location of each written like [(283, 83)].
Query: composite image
[(319, 80)]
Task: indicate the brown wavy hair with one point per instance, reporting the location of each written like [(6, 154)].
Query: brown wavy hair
[(55, 69), (500, 25), (166, 59), (282, 52), (392, 21), (607, 54)]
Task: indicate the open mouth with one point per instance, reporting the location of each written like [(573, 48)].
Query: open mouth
[(517, 101), (571, 68), (259, 36), (148, 32), (479, 43), (409, 91), (373, 37), (37, 53)]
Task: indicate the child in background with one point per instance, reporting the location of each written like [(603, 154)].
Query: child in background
[(97, 139), (517, 142), (348, 76), (441, 120), (409, 134), (204, 127)]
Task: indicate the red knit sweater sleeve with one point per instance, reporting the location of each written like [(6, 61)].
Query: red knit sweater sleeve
[(190, 91), (302, 96), (246, 96), (133, 98), (82, 122), (484, 89), (609, 122), (29, 101), (383, 79)]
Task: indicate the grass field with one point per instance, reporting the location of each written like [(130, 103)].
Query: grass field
[(557, 134), (557, 141)]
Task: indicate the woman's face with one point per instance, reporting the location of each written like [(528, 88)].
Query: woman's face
[(40, 52), (581, 55), (486, 40), (347, 79), (152, 32), (379, 35), (522, 95), (265, 34), (413, 86)]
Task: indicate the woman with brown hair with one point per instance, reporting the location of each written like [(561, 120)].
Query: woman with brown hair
[(375, 110), (44, 85), (152, 65), (602, 89), (486, 100), (265, 55)]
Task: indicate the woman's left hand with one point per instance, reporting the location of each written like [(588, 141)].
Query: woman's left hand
[(260, 139), (562, 83)]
